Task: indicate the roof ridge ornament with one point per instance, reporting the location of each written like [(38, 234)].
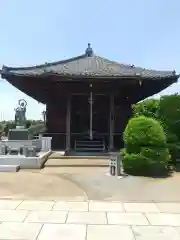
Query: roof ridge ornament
[(174, 72), (89, 51)]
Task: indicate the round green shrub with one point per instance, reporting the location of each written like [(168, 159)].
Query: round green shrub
[(146, 148), (134, 164), (143, 131), (143, 163)]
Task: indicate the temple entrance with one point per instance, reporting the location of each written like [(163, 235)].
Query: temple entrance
[(89, 120), (79, 116), (100, 117)]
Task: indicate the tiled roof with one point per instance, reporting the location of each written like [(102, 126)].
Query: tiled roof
[(87, 66)]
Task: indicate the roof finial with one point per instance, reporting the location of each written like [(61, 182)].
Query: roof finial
[(174, 72), (89, 51)]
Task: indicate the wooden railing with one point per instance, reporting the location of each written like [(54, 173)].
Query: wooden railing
[(59, 139)]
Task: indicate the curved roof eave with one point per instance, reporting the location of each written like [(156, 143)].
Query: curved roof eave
[(84, 66), (78, 78)]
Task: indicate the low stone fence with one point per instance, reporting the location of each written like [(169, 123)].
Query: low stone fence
[(25, 153), (46, 143), (41, 144), (25, 162)]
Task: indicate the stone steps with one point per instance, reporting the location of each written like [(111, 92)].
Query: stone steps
[(90, 146), (58, 155), (77, 162)]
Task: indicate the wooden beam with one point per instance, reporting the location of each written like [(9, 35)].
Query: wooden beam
[(68, 124), (111, 123)]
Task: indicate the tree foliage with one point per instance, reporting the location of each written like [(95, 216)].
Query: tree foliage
[(148, 108), (35, 126), (36, 129), (167, 111)]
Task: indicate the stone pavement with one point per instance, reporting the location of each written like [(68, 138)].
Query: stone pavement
[(44, 220), (81, 184)]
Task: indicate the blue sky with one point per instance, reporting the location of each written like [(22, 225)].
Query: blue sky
[(139, 32)]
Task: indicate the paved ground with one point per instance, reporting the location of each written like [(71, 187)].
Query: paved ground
[(34, 184), (69, 203), (86, 183), (93, 220)]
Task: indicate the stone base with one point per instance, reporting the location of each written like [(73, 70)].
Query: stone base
[(20, 127), (19, 134), (9, 168), (25, 162)]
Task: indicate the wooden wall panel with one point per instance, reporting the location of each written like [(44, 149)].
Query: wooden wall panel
[(56, 123), (122, 112)]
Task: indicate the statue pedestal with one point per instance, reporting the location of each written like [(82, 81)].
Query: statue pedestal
[(19, 127), (19, 134)]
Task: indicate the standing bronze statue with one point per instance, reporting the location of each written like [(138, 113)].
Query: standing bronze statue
[(20, 113)]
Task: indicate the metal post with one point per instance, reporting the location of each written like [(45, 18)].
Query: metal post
[(115, 165)]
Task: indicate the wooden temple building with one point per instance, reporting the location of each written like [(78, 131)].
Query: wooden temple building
[(88, 98)]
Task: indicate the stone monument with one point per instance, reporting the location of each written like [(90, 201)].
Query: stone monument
[(20, 114), (20, 132)]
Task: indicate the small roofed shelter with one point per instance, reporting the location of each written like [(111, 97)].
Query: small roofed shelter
[(88, 98)]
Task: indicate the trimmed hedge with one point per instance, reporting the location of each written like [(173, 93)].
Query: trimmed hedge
[(146, 151), (143, 131)]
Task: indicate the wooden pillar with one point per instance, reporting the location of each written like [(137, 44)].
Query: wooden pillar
[(111, 123), (68, 124), (47, 118)]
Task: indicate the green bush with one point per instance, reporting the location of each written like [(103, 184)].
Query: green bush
[(143, 131), (134, 164), (173, 145), (146, 148), (123, 151), (141, 165), (174, 150)]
